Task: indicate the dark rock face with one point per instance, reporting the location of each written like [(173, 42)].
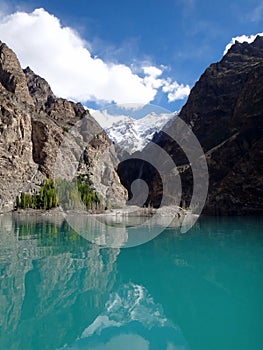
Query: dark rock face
[(225, 112), (35, 130)]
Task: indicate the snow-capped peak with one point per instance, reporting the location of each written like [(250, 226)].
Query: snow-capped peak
[(132, 134)]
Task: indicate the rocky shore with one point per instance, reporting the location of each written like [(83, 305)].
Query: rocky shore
[(127, 211)]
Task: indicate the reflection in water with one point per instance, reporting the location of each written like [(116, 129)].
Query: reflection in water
[(52, 282), (119, 231), (56, 291), (131, 320), (59, 290)]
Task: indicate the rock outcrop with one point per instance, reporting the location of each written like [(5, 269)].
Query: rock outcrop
[(12, 78), (16, 106), (35, 130), (225, 112)]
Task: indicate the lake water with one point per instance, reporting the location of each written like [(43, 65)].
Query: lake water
[(201, 290)]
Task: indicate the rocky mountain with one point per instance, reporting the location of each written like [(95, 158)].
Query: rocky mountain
[(131, 134), (225, 112), (42, 136)]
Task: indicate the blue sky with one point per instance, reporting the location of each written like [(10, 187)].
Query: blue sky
[(129, 41)]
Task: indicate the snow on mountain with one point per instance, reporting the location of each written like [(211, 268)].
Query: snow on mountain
[(132, 134), (105, 119)]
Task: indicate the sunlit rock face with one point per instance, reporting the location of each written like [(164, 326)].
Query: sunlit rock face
[(16, 106), (35, 129), (41, 283)]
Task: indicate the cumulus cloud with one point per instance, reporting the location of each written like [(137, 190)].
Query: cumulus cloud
[(152, 71), (241, 39), (175, 91), (65, 60)]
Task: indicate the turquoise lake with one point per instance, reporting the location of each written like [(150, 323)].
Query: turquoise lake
[(199, 290)]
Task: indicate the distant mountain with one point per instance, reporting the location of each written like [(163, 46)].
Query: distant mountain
[(225, 112), (131, 134)]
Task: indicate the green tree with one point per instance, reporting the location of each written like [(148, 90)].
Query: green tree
[(69, 194)]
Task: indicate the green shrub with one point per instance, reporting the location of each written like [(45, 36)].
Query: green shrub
[(77, 194)]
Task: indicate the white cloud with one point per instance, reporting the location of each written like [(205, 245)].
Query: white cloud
[(176, 91), (62, 57), (241, 39), (152, 71)]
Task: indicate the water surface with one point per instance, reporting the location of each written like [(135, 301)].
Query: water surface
[(198, 290)]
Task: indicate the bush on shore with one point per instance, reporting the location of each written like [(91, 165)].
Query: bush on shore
[(78, 194)]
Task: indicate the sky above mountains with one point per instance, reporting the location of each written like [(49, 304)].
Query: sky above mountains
[(125, 52)]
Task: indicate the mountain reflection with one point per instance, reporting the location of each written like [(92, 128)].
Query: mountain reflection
[(59, 291), (52, 282), (131, 320)]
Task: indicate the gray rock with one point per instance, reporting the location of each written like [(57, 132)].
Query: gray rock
[(35, 130)]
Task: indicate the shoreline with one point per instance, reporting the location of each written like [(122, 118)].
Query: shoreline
[(128, 211)]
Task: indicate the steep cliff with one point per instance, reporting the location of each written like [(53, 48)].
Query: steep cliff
[(225, 111), (44, 136), (16, 107)]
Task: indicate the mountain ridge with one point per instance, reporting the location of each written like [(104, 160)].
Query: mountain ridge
[(224, 111), (130, 134)]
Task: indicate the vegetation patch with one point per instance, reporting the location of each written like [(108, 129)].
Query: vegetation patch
[(76, 194)]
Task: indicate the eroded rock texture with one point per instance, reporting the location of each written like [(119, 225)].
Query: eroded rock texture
[(42, 136)]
